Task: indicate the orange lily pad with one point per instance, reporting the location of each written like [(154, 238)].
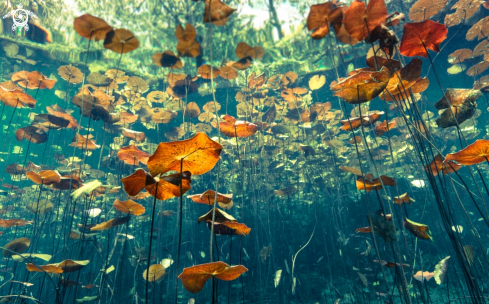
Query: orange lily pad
[(421, 36), (438, 165), (236, 128), (474, 153), (129, 206), (317, 20), (169, 186), (47, 268), (403, 198), (131, 155), (46, 177), (198, 155), (111, 223), (384, 127), (419, 230), (134, 183), (359, 20), (194, 278), (367, 229), (13, 223), (209, 198), (361, 87)]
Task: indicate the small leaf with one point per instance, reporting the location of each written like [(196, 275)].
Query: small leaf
[(441, 271), (156, 271), (316, 82), (419, 230)]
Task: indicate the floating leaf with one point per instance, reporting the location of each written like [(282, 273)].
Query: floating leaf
[(209, 197), (359, 21), (120, 41), (236, 128), (216, 10), (464, 10), (474, 153), (228, 73), (402, 80), (129, 206), (438, 165), (220, 217), (134, 183), (187, 49), (207, 72), (194, 278), (419, 37), (423, 275), (278, 275), (23, 257), (82, 143), (285, 191), (18, 246), (363, 279), (367, 229), (370, 184), (156, 271), (316, 82), (13, 223), (47, 268), (317, 20), (361, 87), (31, 133), (229, 228), (17, 99), (419, 230), (384, 127), (480, 30), (382, 226), (425, 9), (441, 271), (134, 135), (41, 207), (131, 155), (111, 223), (243, 50), (70, 74), (192, 110), (91, 27), (469, 253), (187, 34), (46, 177), (198, 155), (265, 252), (403, 198), (169, 186), (351, 170), (70, 265)]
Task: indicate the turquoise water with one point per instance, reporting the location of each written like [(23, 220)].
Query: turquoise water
[(108, 192)]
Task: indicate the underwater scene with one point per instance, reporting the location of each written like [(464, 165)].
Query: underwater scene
[(244, 151)]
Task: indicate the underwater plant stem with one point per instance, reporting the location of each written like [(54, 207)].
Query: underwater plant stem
[(116, 71), (37, 91), (66, 93), (300, 249), (214, 285), (37, 208), (444, 95), (150, 242), (102, 149), (8, 128), (180, 221)]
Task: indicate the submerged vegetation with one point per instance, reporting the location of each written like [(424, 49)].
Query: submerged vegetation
[(181, 152)]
